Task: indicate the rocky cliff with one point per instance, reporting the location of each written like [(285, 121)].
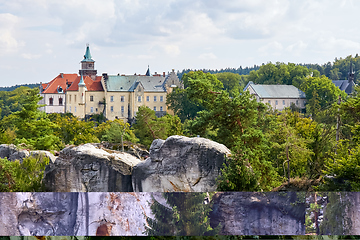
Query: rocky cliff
[(180, 164), (89, 168)]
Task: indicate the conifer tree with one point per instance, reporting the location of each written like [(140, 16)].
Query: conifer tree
[(185, 215)]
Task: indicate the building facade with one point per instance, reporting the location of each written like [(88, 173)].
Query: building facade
[(277, 96), (115, 96)]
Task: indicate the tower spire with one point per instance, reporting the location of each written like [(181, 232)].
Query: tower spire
[(148, 71)]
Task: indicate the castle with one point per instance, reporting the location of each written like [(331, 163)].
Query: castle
[(115, 96)]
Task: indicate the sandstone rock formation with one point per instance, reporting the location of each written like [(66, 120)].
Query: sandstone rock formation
[(180, 164), (256, 213), (12, 153), (88, 168)]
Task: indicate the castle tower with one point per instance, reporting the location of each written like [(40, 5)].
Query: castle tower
[(88, 65)]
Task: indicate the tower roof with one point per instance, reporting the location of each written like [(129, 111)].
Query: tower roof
[(148, 72), (87, 56)]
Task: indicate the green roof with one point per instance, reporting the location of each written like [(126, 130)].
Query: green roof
[(87, 56), (277, 91), (130, 82)]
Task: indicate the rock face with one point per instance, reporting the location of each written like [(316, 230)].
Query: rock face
[(256, 213), (74, 214), (12, 153), (88, 168), (180, 164)]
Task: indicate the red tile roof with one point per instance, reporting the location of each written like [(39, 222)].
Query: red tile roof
[(59, 81), (91, 85)]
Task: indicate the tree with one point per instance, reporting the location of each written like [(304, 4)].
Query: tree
[(32, 126), (185, 215), (22, 177), (71, 130), (231, 81), (148, 127), (238, 122), (321, 93)]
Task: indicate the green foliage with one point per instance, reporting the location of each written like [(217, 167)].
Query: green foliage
[(232, 82), (281, 73), (111, 131), (148, 127), (187, 216), (32, 126), (321, 93), (238, 122), (179, 102), (71, 130), (12, 101), (22, 177)]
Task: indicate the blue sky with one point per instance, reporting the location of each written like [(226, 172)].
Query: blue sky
[(41, 38)]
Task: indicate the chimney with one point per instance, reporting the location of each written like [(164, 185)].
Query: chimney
[(62, 75), (163, 74), (105, 76)]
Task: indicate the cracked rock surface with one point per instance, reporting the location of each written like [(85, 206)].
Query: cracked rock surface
[(180, 164), (89, 168)]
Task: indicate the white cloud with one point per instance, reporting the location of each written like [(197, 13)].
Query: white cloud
[(8, 41), (207, 56), (30, 56)]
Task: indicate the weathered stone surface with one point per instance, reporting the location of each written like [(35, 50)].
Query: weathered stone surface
[(180, 164), (12, 153), (73, 214), (87, 168), (124, 214), (247, 213)]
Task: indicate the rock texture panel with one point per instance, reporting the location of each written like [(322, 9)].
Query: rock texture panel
[(88, 168), (74, 214), (246, 213), (180, 164)]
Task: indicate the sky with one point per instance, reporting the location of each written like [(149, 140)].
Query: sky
[(41, 38)]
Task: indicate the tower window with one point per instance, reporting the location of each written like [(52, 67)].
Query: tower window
[(91, 98)]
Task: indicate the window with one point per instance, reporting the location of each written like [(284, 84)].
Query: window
[(147, 98), (69, 98), (155, 109), (60, 101), (154, 98), (75, 109), (269, 102), (91, 109), (283, 102), (75, 98), (276, 102), (91, 98), (96, 109), (70, 109), (161, 108), (112, 109), (122, 98), (51, 101), (161, 98), (111, 98), (122, 109), (297, 102), (139, 98)]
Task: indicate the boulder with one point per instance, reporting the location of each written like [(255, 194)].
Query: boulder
[(89, 168), (12, 153), (257, 213), (180, 164)]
